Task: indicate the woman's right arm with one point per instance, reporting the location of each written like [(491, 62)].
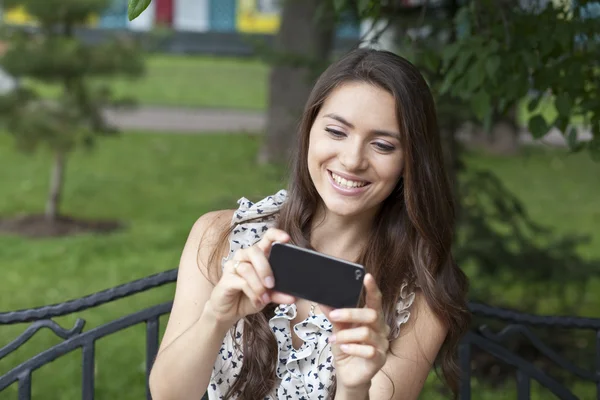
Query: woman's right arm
[(193, 336), (202, 314)]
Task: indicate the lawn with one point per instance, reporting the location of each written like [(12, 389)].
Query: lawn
[(195, 81), (201, 81), (159, 184)]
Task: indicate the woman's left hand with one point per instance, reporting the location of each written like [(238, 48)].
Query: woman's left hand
[(359, 341)]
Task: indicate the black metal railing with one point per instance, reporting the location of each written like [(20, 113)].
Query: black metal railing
[(482, 339), (75, 338), (492, 343)]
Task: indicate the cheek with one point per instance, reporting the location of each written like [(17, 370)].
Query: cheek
[(391, 169), (319, 150)]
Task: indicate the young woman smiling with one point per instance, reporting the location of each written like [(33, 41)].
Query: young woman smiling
[(367, 185)]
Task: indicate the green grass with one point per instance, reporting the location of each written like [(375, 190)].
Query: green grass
[(195, 81), (201, 81), (559, 190), (159, 184)]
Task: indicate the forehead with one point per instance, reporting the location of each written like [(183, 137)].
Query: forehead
[(362, 104)]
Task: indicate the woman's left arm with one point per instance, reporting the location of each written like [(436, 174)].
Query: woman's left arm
[(411, 355), (367, 365)]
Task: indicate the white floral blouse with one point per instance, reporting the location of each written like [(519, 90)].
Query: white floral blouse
[(305, 373)]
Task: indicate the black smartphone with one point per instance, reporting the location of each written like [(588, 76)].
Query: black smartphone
[(316, 277)]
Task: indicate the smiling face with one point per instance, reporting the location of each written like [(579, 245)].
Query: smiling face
[(354, 157)]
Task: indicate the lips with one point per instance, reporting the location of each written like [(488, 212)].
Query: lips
[(347, 180), (347, 184)]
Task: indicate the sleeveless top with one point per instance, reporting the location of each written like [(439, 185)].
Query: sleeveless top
[(305, 373)]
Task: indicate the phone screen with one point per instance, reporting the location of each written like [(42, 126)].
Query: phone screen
[(316, 277)]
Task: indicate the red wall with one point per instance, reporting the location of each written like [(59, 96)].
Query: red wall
[(164, 12)]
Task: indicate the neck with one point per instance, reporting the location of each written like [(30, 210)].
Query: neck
[(342, 237)]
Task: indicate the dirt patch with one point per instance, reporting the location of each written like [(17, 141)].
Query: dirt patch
[(38, 226)]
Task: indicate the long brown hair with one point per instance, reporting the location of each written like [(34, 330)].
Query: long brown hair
[(411, 236)]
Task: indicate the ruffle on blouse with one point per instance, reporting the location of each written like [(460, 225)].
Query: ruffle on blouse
[(314, 352), (252, 220), (403, 308), (313, 331)]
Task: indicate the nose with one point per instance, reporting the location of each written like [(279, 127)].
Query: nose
[(352, 156)]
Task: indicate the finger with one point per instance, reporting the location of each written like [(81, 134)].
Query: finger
[(336, 327), (261, 267), (362, 335), (361, 316), (240, 284), (373, 294), (246, 270), (282, 298), (272, 235), (359, 350)]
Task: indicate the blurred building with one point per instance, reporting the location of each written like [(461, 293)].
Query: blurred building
[(218, 26), (229, 16)]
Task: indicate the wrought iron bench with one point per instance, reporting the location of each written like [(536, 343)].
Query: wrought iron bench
[(482, 339)]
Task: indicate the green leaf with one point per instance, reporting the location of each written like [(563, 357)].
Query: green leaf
[(462, 22), (339, 5), (572, 138), (538, 126), (563, 104), (491, 66), (477, 77), (450, 52), (462, 61), (136, 7), (430, 60), (481, 104), (363, 6), (446, 85), (561, 123), (534, 103)]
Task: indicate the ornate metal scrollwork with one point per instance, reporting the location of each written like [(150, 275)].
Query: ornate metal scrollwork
[(483, 338)]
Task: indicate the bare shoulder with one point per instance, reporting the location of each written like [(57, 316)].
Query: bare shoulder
[(193, 287), (412, 354), (211, 223), (205, 237), (423, 322)]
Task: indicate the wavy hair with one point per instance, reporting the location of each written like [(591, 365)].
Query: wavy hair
[(411, 236)]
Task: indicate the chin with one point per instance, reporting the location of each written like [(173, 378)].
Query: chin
[(343, 206)]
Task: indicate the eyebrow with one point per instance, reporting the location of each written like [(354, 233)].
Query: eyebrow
[(378, 132)]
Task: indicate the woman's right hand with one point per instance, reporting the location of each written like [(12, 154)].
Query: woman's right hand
[(246, 283)]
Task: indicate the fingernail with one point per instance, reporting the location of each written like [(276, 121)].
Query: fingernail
[(265, 298), (269, 282), (335, 314), (331, 339)]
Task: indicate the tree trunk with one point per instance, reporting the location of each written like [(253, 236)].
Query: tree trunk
[(56, 185), (302, 35), (505, 133), (503, 137)]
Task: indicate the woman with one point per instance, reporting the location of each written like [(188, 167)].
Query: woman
[(368, 185)]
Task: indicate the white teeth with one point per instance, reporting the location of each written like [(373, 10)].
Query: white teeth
[(347, 183)]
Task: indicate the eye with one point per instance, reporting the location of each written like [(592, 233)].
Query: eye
[(335, 133), (386, 148)]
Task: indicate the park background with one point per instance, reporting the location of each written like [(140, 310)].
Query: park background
[(529, 241)]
